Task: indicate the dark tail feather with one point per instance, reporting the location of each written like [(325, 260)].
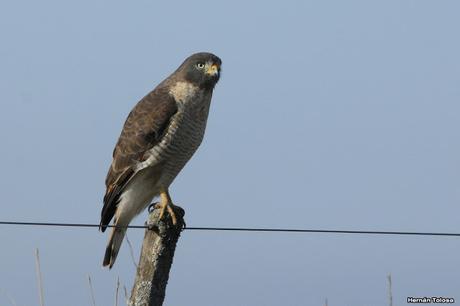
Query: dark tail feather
[(111, 252)]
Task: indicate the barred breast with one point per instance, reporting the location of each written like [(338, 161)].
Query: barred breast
[(184, 134)]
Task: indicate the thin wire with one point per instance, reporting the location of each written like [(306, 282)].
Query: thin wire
[(62, 224), (242, 229)]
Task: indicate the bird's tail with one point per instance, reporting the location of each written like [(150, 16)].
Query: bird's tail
[(115, 240)]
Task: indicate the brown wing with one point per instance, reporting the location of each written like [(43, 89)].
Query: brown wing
[(143, 129)]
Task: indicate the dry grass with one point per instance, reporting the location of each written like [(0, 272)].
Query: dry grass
[(390, 293), (93, 300), (131, 250), (116, 291), (39, 277), (8, 297), (125, 291)]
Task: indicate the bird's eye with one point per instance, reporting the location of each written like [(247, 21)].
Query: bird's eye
[(200, 65)]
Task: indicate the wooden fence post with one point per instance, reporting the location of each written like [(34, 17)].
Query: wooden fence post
[(156, 259)]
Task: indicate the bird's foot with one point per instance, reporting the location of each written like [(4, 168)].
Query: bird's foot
[(167, 207), (152, 207)]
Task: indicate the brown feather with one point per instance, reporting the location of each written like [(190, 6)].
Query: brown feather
[(142, 130)]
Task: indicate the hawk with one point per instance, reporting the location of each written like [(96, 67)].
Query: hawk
[(159, 136)]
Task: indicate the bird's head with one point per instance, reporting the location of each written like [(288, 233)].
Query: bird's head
[(201, 69)]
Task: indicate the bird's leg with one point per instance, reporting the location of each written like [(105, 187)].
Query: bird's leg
[(166, 204)]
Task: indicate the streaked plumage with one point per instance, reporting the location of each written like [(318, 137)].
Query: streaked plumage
[(159, 136)]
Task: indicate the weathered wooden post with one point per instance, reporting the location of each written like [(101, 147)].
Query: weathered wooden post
[(156, 259)]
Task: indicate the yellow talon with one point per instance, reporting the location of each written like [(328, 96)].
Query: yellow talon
[(166, 204)]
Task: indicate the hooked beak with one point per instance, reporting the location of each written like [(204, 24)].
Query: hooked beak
[(212, 70)]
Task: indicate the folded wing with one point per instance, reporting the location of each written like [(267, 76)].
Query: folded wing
[(143, 129)]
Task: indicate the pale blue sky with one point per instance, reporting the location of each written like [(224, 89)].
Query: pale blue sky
[(329, 114)]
